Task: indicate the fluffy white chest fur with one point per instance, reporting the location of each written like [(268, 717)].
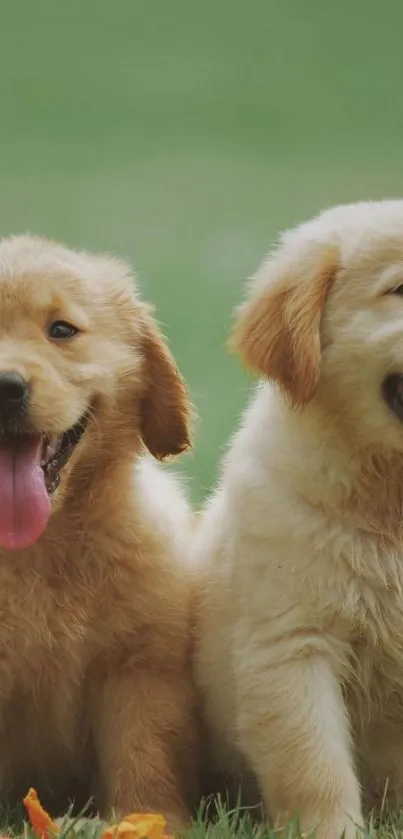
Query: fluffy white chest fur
[(303, 570), (290, 564)]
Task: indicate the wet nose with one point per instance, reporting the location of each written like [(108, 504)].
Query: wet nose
[(13, 392)]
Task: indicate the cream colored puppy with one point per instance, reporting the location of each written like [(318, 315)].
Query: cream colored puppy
[(300, 657)]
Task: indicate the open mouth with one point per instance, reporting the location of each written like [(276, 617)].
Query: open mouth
[(57, 450), (392, 389), (30, 466)]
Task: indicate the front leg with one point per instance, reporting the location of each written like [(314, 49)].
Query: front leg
[(294, 732), (146, 742)]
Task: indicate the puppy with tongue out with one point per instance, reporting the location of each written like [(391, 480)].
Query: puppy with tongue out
[(29, 468), (96, 698)]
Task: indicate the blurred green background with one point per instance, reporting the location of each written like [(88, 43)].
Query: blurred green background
[(184, 136)]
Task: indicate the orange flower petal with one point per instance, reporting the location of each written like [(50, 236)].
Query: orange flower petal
[(42, 824), (137, 826), (147, 825)]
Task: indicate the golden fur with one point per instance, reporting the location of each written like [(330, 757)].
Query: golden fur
[(300, 638), (95, 637), (278, 330)]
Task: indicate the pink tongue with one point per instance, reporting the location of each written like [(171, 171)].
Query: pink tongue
[(24, 501)]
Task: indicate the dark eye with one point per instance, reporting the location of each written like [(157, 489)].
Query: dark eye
[(60, 330), (398, 290)]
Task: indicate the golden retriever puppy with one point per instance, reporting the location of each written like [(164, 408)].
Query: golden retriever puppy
[(95, 590), (300, 651)]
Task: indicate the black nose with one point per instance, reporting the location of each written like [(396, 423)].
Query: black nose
[(13, 392)]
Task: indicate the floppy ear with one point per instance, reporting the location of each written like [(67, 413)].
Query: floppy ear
[(277, 332), (164, 407)]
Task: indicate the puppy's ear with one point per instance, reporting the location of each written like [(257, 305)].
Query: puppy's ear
[(164, 407), (277, 332)]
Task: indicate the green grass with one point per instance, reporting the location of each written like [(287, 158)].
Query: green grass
[(236, 825), (221, 825), (214, 821)]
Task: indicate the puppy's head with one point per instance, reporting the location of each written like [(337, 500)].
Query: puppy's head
[(324, 319), (82, 365)]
